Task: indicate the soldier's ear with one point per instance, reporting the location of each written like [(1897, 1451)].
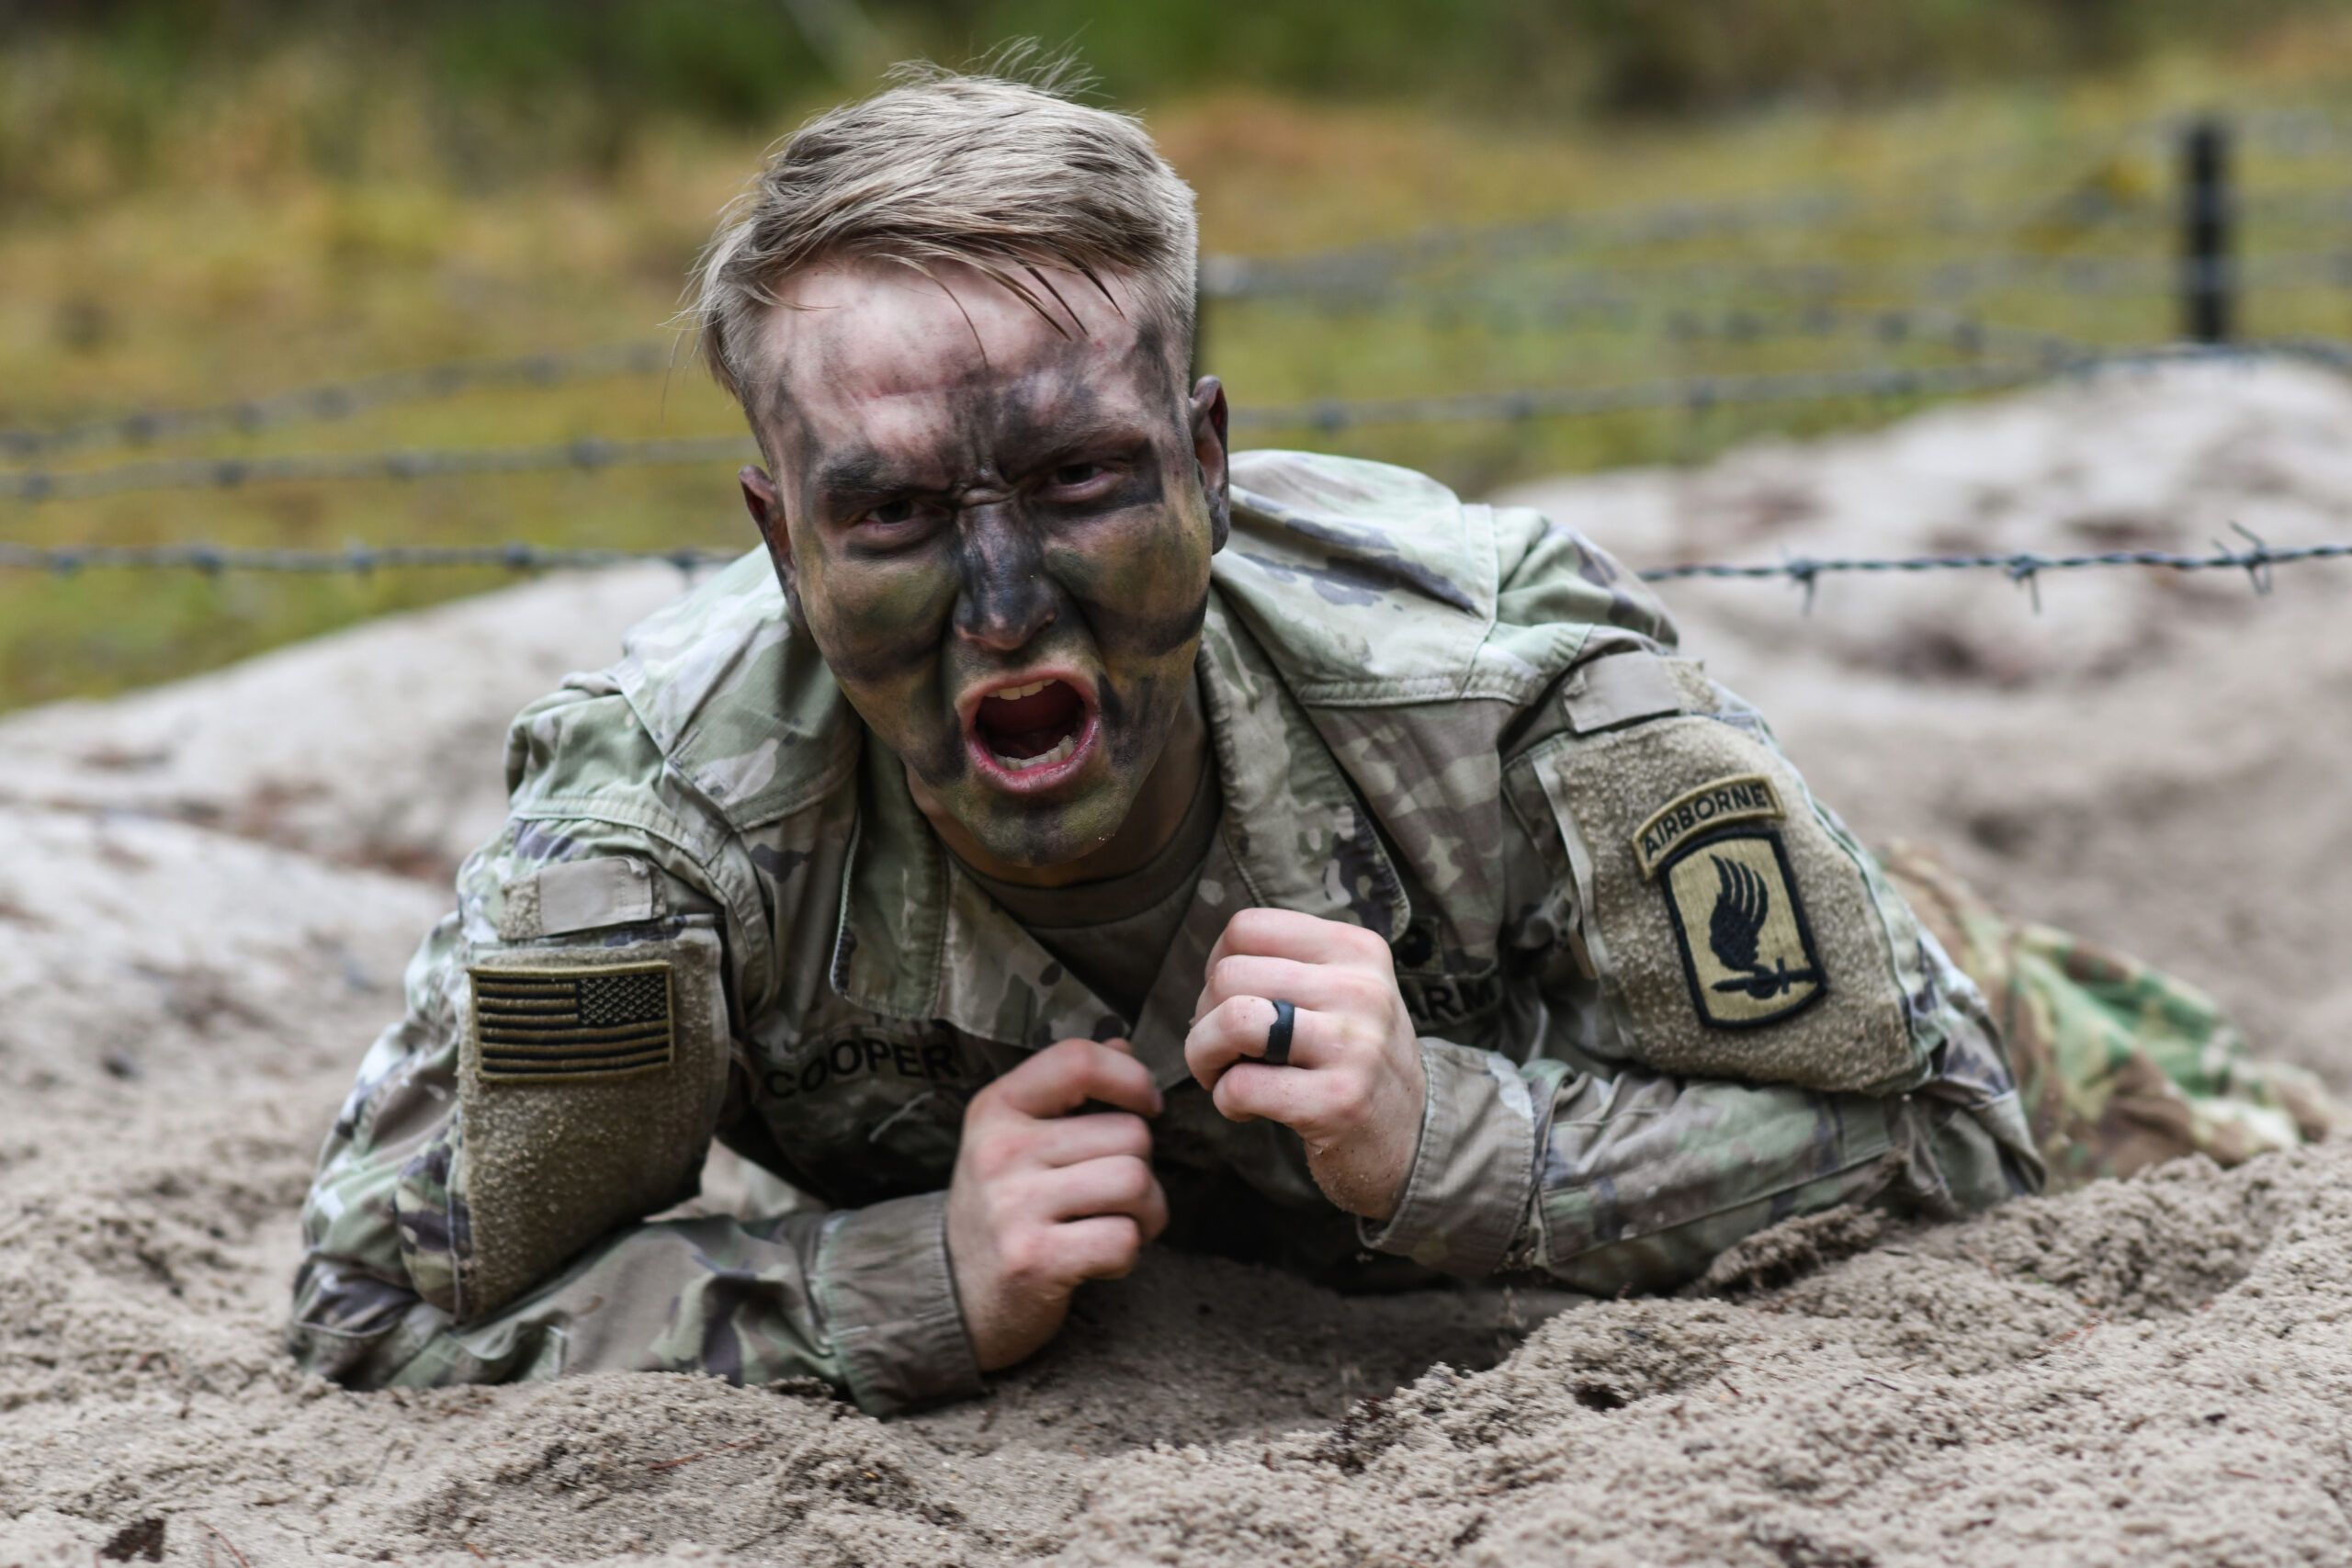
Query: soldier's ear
[(1208, 412), (761, 501)]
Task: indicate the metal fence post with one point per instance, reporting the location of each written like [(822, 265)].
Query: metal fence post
[(2208, 287)]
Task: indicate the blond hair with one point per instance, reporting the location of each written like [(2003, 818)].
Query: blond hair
[(998, 169)]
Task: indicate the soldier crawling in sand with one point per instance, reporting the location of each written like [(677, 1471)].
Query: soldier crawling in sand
[(1066, 835)]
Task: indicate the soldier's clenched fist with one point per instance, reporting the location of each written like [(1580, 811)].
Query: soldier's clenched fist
[(1353, 1087), (1043, 1199)]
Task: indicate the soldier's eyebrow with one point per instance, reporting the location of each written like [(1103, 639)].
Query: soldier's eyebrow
[(1103, 437), (863, 474), (1031, 442)]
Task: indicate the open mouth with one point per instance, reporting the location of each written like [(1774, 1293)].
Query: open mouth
[(1032, 733)]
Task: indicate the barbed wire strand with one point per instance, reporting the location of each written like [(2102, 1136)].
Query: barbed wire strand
[(1514, 311), (1392, 264), (341, 400), (1500, 308), (1622, 294), (1946, 277), (1368, 276), (2290, 132), (2024, 567), (588, 454), (212, 561), (2256, 557), (1695, 394), (1222, 277)]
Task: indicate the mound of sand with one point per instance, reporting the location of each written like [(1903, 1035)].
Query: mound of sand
[(204, 913), (379, 745)]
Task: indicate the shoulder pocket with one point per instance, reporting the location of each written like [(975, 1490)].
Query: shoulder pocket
[(591, 1075), (1741, 934)]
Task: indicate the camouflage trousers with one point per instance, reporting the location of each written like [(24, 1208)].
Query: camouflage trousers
[(2119, 1066)]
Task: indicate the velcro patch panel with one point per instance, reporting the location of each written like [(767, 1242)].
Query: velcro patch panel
[(1734, 934)]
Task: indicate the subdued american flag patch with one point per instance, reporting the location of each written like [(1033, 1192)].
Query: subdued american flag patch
[(572, 1023)]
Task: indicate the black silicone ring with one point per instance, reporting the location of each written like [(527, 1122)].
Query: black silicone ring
[(1278, 1035)]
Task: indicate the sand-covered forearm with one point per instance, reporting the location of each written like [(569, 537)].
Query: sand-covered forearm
[(859, 1299), (398, 1224), (1606, 1184), (1643, 1177)]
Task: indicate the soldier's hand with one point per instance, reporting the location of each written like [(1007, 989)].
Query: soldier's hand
[(1354, 1087), (1043, 1199)]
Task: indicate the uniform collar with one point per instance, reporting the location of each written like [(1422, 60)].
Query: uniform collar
[(919, 941), (1300, 837)]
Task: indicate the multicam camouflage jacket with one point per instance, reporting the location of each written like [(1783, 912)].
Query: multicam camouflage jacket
[(1666, 998)]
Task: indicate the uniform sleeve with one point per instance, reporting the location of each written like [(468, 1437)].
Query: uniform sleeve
[(1628, 1179), (1736, 1019), (1610, 1176), (478, 1215)]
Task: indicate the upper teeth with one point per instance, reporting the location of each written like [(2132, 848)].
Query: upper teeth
[(1031, 690)]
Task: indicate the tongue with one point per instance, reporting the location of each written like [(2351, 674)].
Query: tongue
[(1026, 726)]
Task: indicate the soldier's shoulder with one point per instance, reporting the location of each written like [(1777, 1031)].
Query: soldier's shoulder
[(1366, 582), (718, 693), (1356, 575)]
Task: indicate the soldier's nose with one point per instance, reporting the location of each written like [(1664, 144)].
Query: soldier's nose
[(1006, 599)]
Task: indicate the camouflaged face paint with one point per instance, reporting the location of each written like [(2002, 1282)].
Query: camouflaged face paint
[(1005, 558)]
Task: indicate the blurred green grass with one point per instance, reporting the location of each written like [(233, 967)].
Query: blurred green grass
[(235, 236)]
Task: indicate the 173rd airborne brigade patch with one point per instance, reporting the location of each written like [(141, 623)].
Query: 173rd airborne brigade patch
[(1748, 953)]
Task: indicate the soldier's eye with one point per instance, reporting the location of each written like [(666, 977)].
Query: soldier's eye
[(898, 514), (1077, 476)]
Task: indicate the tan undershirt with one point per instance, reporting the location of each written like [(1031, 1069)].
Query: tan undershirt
[(1113, 934)]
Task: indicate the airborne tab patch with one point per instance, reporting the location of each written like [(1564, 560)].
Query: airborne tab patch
[(1747, 950), (565, 1025), (1745, 797)]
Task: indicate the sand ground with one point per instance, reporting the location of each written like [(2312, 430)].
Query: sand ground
[(208, 890)]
